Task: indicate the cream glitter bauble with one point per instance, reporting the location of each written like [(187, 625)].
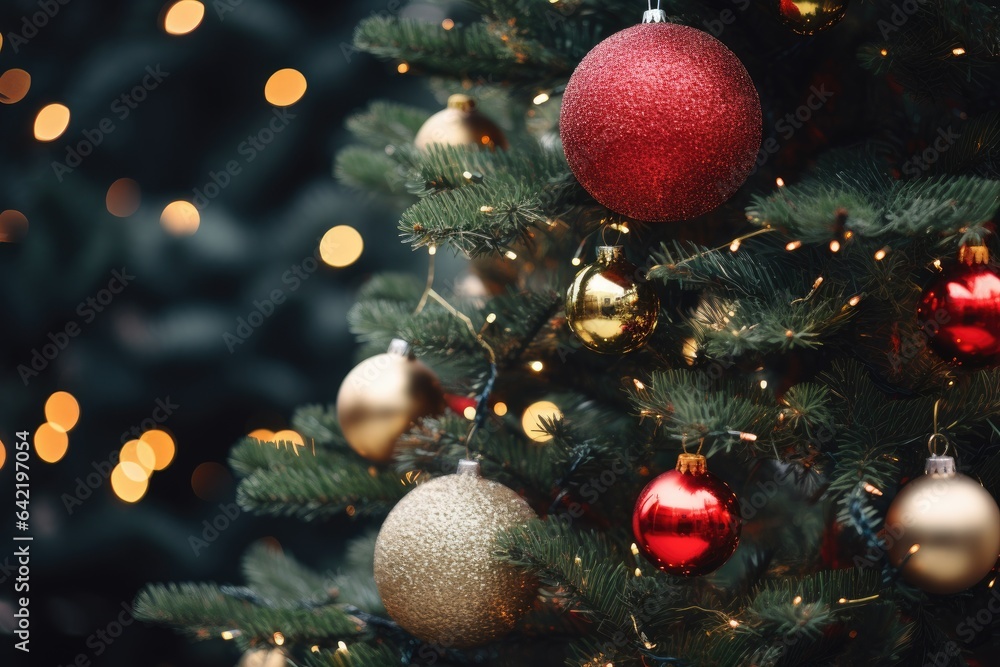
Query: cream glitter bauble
[(955, 522), (435, 566)]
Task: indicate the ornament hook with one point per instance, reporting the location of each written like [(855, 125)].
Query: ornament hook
[(936, 436)]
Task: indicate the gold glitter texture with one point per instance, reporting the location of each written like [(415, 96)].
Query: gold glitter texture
[(435, 566)]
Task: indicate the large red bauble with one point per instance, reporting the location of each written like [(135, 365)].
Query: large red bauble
[(686, 521), (660, 122), (960, 312)]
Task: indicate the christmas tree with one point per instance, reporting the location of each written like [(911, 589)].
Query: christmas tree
[(724, 296)]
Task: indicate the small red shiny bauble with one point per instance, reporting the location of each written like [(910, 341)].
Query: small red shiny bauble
[(687, 521), (660, 122), (960, 312)]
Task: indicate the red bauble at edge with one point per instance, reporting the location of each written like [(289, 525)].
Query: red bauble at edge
[(660, 122), (960, 312), (686, 521)]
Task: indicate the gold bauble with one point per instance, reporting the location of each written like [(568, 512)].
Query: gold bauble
[(807, 17), (609, 306), (435, 566), (263, 658), (956, 524), (382, 397), (461, 124)]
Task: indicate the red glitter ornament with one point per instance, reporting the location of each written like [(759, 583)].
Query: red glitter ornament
[(687, 521), (960, 311), (660, 122)]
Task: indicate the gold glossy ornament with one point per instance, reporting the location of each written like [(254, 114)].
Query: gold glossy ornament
[(435, 566), (382, 397), (807, 17), (460, 124), (610, 308), (263, 658), (943, 529)]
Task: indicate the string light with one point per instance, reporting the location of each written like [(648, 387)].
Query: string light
[(733, 623), (510, 254), (854, 300), (914, 549), (881, 253), (763, 384), (576, 261), (884, 52), (958, 51), (780, 182), (285, 87), (467, 175), (402, 68), (734, 246), (491, 318), (541, 98), (341, 647), (793, 245), (432, 249), (937, 264), (447, 24), (469, 413), (834, 245), (635, 549), (231, 634), (619, 227), (638, 572), (485, 209), (638, 384), (536, 366), (872, 489), (279, 639), (500, 408)]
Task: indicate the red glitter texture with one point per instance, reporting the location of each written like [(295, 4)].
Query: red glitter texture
[(660, 122)]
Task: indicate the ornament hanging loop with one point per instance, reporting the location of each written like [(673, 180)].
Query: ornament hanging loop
[(935, 440)]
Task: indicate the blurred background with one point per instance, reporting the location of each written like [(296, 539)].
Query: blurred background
[(176, 257)]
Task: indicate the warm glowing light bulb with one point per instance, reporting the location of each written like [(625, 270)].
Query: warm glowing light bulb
[(510, 254), (793, 245), (834, 245), (183, 17), (51, 122), (285, 87), (536, 366), (500, 408), (884, 52), (531, 420), (402, 68), (469, 413), (180, 218), (62, 410), (880, 254), (51, 443), (341, 246), (780, 182), (763, 384), (163, 447), (279, 639), (576, 261), (491, 318), (958, 51), (734, 246), (447, 24), (125, 487), (541, 98)]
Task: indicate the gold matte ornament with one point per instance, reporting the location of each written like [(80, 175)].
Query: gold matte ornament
[(943, 529), (382, 397), (460, 124), (807, 17), (435, 566), (607, 306)]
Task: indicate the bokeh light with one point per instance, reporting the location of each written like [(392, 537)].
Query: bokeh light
[(62, 410), (341, 246), (3, 454), (285, 87), (126, 488), (211, 481), (14, 85), (13, 226), (134, 471), (500, 408), (51, 443), (289, 435), (163, 447), (180, 218), (183, 17), (264, 434), (531, 420), (51, 122), (123, 198), (142, 455)]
